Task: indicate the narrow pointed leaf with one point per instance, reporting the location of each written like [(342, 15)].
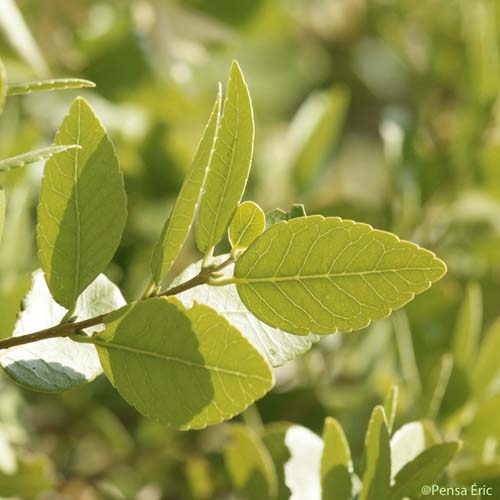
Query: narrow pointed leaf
[(486, 373), (3, 86), (275, 345), (336, 463), (425, 469), (83, 207), (178, 225), (33, 156), (57, 364), (391, 406), (188, 368), (249, 464), (3, 205), (377, 476), (248, 223), (230, 164), (319, 275), (53, 84)]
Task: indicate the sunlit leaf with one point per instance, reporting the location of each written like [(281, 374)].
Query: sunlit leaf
[(54, 84), (33, 156), (55, 365), (3, 85), (205, 373), (247, 224), (408, 442), (249, 464), (83, 206), (230, 164), (178, 225), (2, 211), (319, 275), (391, 406)]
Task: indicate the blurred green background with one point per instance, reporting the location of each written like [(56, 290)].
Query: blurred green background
[(382, 111)]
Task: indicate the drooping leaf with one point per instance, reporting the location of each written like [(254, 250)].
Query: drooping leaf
[(57, 364), (83, 206), (178, 225), (2, 211), (314, 133), (33, 156), (278, 215), (391, 406), (249, 464), (425, 469), (486, 373), (273, 437), (406, 444), (377, 475), (247, 224), (188, 368), (319, 275), (3, 85), (53, 84), (230, 164), (275, 345), (336, 463), (302, 471), (468, 328)]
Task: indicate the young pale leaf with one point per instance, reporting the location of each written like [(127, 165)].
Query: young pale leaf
[(275, 345), (468, 328), (188, 368), (406, 444), (3, 86), (391, 406), (57, 364), (83, 206), (277, 215), (33, 156), (178, 225), (425, 469), (249, 464), (2, 211), (54, 84), (247, 224), (230, 164), (486, 374), (336, 463), (377, 476), (320, 275), (302, 471)]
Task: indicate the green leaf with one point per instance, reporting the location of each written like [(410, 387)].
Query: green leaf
[(3, 86), (486, 373), (188, 368), (314, 133), (275, 345), (391, 406), (57, 364), (320, 275), (302, 471), (230, 164), (3, 205), (33, 156), (53, 84), (425, 469), (408, 442), (83, 206), (377, 476), (278, 215), (439, 384), (249, 464), (336, 463), (468, 328), (247, 224), (178, 225)]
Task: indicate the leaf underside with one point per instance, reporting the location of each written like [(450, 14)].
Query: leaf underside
[(33, 156), (320, 275)]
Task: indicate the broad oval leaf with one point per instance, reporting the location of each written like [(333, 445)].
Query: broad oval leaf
[(275, 345), (2, 211), (320, 275), (3, 86), (377, 475), (336, 463), (249, 464), (188, 368), (57, 364), (53, 84), (302, 471), (178, 225), (230, 164), (83, 206), (425, 469), (33, 156), (247, 224)]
